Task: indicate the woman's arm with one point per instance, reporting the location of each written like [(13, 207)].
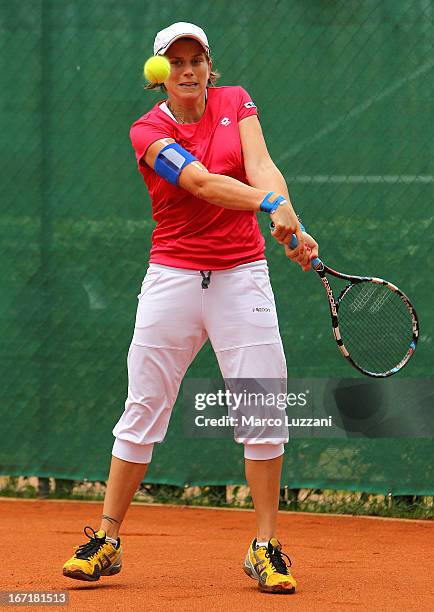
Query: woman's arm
[(260, 171), (227, 192), (259, 166)]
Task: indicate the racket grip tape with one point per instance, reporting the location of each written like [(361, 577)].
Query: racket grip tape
[(316, 263), (294, 242)]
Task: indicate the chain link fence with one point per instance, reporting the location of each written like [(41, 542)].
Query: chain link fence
[(344, 91)]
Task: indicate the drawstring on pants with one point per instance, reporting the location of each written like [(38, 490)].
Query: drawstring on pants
[(206, 279)]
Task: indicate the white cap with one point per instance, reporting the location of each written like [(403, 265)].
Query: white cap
[(166, 37)]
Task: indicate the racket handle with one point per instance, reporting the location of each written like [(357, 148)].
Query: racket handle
[(315, 264), (293, 242)]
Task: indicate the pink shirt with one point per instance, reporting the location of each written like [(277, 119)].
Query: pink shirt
[(191, 233)]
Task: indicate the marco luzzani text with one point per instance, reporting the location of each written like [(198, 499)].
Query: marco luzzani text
[(236, 401)]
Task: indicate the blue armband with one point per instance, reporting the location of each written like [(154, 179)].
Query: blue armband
[(171, 160), (268, 205)]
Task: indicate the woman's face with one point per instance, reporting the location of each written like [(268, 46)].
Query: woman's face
[(189, 70)]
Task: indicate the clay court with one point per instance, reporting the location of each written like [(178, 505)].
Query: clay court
[(184, 558)]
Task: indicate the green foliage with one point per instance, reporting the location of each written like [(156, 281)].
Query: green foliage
[(293, 500)]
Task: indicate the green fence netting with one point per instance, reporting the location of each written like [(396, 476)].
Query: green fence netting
[(344, 90)]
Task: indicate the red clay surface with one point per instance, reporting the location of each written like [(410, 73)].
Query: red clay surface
[(178, 558)]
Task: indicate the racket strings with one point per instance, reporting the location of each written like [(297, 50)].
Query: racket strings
[(375, 326)]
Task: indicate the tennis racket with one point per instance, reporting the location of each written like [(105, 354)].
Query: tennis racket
[(374, 323)]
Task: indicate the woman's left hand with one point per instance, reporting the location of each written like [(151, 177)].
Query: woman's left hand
[(310, 252)]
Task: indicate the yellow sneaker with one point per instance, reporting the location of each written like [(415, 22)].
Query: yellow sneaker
[(95, 559), (267, 566)]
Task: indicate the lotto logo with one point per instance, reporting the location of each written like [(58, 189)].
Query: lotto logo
[(250, 105), (225, 121)]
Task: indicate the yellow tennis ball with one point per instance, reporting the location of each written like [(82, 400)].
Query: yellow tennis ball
[(157, 69)]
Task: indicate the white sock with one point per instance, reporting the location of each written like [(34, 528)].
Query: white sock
[(259, 544), (112, 541)]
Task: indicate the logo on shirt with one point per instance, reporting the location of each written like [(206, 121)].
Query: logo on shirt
[(250, 105), (225, 121)]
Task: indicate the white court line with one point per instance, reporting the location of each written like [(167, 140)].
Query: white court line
[(357, 110), (333, 178)]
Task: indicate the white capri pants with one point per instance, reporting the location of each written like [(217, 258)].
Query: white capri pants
[(175, 317)]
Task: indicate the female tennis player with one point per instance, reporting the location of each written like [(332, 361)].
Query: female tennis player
[(206, 166)]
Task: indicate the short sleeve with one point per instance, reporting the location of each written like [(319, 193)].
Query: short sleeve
[(246, 107), (143, 134)]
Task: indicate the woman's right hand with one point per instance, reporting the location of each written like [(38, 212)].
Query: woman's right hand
[(286, 224), (303, 258)]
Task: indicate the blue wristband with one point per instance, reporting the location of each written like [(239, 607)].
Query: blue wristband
[(269, 206)]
